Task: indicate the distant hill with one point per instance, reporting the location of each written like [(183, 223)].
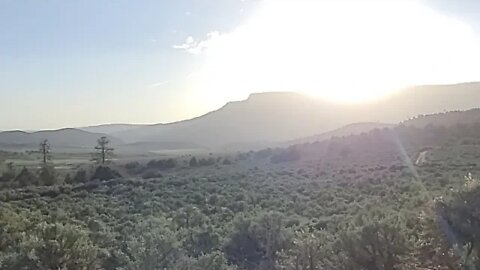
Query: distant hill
[(144, 147), (430, 99), (348, 130), (446, 119), (59, 139), (275, 117), (266, 119), (110, 128)]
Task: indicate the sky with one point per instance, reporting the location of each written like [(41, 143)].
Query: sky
[(88, 62)]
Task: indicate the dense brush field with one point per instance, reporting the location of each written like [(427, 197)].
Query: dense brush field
[(402, 198)]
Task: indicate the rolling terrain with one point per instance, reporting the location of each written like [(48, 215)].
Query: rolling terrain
[(267, 118), (62, 139), (110, 128), (351, 129), (329, 200), (264, 119), (446, 119)]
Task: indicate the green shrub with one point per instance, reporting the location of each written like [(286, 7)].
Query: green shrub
[(58, 246), (105, 173)]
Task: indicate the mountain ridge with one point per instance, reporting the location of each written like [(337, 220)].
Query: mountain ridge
[(277, 117), (273, 117)]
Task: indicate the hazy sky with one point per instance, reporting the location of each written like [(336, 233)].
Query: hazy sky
[(75, 63)]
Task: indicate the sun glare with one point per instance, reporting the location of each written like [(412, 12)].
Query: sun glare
[(338, 50)]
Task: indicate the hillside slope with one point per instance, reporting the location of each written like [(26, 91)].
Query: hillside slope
[(348, 130), (110, 128), (446, 119), (263, 117), (62, 138), (276, 117)]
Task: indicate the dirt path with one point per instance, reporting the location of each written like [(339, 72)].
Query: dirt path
[(422, 158)]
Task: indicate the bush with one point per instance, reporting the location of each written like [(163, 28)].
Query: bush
[(262, 154), (133, 167), (210, 261), (460, 221), (255, 244), (58, 246), (152, 174), (201, 242), (288, 155), (80, 176), (47, 176), (105, 173), (206, 161), (309, 251), (25, 178), (8, 174), (162, 164), (152, 247), (384, 241), (68, 179), (243, 248), (193, 162)]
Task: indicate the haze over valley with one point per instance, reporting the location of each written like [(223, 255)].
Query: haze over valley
[(262, 120)]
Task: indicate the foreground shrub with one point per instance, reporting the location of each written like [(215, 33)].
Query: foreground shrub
[(58, 246), (255, 243), (380, 244), (460, 222), (152, 247)]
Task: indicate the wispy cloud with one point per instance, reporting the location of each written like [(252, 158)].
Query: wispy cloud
[(158, 84), (193, 46)]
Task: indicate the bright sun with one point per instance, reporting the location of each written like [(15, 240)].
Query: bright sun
[(338, 50)]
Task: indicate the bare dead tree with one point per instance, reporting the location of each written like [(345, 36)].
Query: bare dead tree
[(45, 151), (103, 150)]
